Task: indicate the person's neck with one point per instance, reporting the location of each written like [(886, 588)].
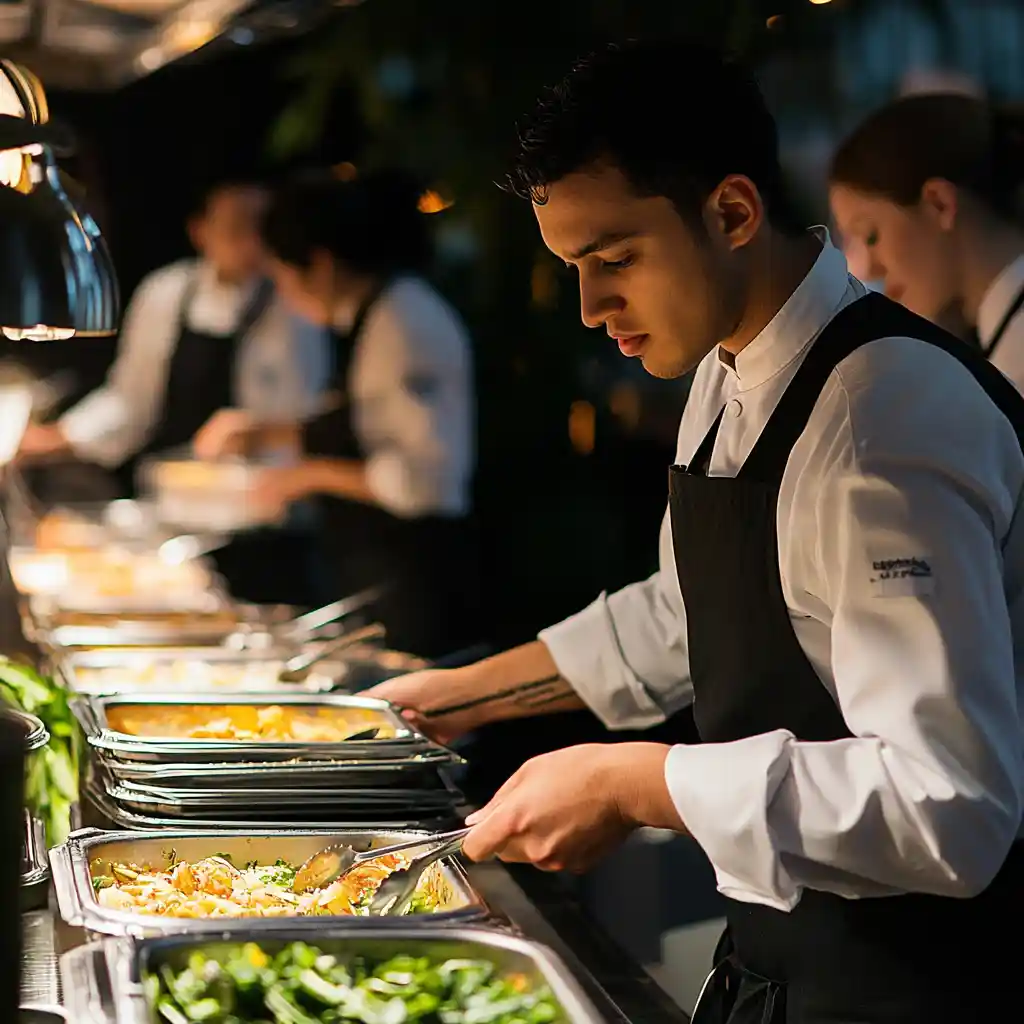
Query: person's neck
[(230, 280), (779, 267), (986, 255), (352, 297)]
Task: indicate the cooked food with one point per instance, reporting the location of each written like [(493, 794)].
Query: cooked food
[(214, 887), (183, 674), (239, 722), (104, 572), (305, 985)]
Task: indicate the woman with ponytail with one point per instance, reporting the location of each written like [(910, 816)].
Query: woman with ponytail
[(927, 195), (391, 460)]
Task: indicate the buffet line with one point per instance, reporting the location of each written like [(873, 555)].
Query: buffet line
[(246, 787)]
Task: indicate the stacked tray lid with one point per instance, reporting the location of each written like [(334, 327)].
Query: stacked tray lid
[(238, 759)]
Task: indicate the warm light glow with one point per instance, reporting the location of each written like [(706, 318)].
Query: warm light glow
[(582, 427), (38, 333), (432, 202), (776, 20), (345, 171), (821, 1)]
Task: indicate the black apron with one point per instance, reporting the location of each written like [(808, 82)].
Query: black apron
[(201, 374), (1000, 331), (427, 564), (907, 959)]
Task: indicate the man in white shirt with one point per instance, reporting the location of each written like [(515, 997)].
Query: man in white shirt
[(197, 336), (839, 595)]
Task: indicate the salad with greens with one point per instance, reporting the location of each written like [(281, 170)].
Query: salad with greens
[(51, 775), (304, 985)]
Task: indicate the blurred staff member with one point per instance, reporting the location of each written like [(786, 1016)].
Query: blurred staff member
[(393, 460), (198, 335), (928, 190)]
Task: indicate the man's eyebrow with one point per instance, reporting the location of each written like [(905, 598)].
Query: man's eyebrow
[(604, 241)]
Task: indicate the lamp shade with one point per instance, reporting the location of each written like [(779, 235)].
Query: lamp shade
[(56, 276), (57, 279)]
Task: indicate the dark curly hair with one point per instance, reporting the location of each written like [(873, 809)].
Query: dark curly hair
[(674, 116)]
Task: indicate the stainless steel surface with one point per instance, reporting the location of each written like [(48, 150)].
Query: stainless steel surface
[(35, 866), (92, 713), (290, 804), (298, 667), (36, 735), (91, 852), (416, 770), (80, 669), (40, 977), (110, 974), (35, 1014), (343, 819)]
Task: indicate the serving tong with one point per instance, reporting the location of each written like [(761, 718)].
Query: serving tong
[(396, 891), (297, 668)]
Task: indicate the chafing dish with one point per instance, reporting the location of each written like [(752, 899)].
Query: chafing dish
[(398, 740), (89, 853), (104, 980), (188, 669)]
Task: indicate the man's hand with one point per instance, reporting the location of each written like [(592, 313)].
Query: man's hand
[(226, 432), (41, 441), (277, 487), (424, 691), (565, 810)]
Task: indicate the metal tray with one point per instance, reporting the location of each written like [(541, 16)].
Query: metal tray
[(372, 820), (80, 668), (296, 804), (104, 980), (89, 851), (419, 769), (92, 714)]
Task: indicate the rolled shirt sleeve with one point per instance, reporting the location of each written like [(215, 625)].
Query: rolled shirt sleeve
[(910, 523), (625, 654)]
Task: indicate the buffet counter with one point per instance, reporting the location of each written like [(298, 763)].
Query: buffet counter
[(519, 911)]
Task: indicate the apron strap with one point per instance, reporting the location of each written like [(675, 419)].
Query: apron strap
[(1000, 331)]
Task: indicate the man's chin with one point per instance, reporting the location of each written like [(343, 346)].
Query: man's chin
[(666, 369)]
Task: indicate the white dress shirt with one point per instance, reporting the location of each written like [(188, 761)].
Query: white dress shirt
[(1009, 354), (280, 369), (410, 386), (904, 456)]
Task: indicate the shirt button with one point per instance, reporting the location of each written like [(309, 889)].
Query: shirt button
[(735, 408)]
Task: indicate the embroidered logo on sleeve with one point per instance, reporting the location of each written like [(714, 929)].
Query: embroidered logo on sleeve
[(902, 577)]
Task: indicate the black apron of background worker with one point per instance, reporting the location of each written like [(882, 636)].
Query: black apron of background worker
[(907, 959), (263, 565), (428, 564)]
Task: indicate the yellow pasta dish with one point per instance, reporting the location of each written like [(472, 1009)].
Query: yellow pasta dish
[(214, 887)]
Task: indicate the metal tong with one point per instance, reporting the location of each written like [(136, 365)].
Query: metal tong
[(396, 891), (297, 668)]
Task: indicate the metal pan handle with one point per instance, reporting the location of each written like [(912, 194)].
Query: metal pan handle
[(69, 902)]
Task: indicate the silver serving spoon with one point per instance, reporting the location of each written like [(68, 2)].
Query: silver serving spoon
[(334, 862), (296, 669)]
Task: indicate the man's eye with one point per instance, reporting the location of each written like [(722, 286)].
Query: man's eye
[(872, 238), (626, 261)]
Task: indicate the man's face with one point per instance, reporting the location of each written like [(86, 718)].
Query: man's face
[(227, 234), (667, 291)]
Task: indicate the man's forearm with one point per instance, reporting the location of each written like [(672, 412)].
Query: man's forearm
[(341, 478), (519, 683)]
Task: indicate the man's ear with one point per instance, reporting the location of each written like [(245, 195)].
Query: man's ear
[(940, 201), (734, 211)]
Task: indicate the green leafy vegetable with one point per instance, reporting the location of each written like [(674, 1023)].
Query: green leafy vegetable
[(51, 777), (303, 985)]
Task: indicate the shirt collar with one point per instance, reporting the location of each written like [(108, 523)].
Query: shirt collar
[(799, 321), (998, 299)]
